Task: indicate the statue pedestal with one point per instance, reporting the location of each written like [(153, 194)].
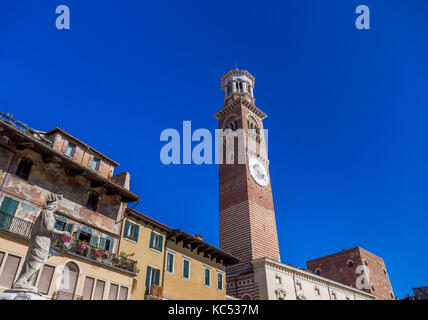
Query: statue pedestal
[(20, 294)]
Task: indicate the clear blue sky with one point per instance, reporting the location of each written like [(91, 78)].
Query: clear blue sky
[(347, 109)]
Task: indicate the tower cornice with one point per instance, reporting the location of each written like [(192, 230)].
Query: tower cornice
[(231, 106)]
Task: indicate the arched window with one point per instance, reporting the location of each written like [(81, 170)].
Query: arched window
[(318, 272), (92, 203), (24, 169), (68, 283), (350, 263)]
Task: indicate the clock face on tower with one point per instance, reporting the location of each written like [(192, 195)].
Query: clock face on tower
[(258, 172)]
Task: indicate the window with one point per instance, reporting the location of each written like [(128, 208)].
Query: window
[(88, 288), (333, 296), (170, 262), (70, 150), (350, 263), (69, 279), (114, 290), (156, 241), (85, 236), (366, 263), (60, 223), (317, 291), (207, 277), (318, 272), (123, 293), (99, 290), (92, 203), (10, 269), (131, 231), (220, 281), (7, 209), (24, 169), (152, 277), (46, 279), (186, 268), (95, 164)]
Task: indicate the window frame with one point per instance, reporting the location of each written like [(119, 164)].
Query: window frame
[(168, 252), (188, 270), (72, 147), (29, 171), (219, 273), (153, 235), (209, 276)]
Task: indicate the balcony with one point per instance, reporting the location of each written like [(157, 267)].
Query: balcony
[(22, 229), (15, 226), (155, 293), (101, 256)]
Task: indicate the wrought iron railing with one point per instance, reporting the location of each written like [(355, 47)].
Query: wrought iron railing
[(81, 248), (62, 295), (14, 225)]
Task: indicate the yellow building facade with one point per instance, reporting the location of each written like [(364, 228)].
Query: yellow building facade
[(173, 265)]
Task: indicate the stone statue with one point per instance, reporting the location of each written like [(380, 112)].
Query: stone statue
[(40, 242)]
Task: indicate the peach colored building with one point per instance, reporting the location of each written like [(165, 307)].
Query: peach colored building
[(34, 164)]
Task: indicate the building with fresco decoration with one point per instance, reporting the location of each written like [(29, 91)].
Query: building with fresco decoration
[(34, 164), (247, 216)]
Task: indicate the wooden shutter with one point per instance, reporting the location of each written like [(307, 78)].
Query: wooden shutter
[(94, 241), (1, 257), (76, 152), (149, 271), (102, 243), (91, 160), (64, 146), (127, 226), (88, 287), (99, 290), (46, 279), (123, 293), (160, 243), (152, 236), (10, 269), (114, 289), (9, 206), (157, 276), (186, 273), (69, 227), (137, 230), (100, 166)]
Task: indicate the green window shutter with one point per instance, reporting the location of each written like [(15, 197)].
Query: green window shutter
[(127, 226), (9, 206), (157, 276), (111, 244), (69, 227), (137, 230), (94, 241), (186, 269), (160, 243), (102, 243), (152, 236), (219, 281), (149, 271), (61, 218)]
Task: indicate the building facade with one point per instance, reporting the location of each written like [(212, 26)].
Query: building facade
[(146, 238), (173, 265), (34, 164), (246, 211), (355, 267)]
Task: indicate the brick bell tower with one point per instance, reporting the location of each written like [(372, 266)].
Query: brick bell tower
[(247, 216)]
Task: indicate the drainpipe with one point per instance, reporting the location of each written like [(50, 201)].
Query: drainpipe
[(294, 282), (163, 265)]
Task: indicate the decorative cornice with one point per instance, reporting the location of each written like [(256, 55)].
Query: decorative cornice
[(245, 103), (308, 276), (237, 72)]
